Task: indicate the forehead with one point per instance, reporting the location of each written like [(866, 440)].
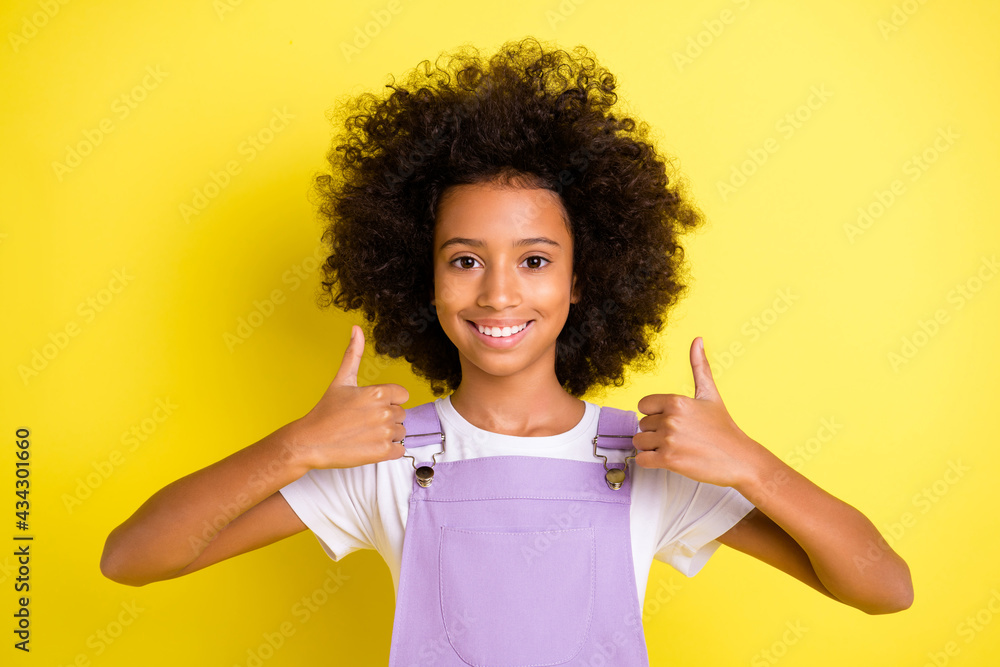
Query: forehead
[(485, 211)]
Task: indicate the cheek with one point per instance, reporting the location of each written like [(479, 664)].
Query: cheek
[(446, 293), (555, 290)]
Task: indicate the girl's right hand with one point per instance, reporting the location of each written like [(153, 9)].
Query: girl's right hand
[(352, 425)]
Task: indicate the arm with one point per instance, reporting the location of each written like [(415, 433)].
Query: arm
[(820, 540), (234, 505), (228, 508), (796, 526)]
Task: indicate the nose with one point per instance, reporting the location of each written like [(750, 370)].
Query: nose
[(499, 288)]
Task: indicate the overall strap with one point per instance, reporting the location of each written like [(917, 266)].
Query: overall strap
[(615, 428), (422, 426)]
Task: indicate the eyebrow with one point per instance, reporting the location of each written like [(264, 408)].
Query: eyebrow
[(479, 243)]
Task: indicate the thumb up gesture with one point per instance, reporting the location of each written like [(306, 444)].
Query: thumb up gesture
[(352, 425), (695, 437)]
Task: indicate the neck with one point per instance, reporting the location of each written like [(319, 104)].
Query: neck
[(528, 404)]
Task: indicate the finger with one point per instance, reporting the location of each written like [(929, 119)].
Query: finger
[(398, 414), (655, 404), (704, 383), (645, 441), (397, 395), (347, 374), (652, 422)]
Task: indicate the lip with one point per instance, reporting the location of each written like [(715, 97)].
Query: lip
[(500, 343)]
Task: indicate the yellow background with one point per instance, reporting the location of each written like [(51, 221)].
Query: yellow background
[(894, 75)]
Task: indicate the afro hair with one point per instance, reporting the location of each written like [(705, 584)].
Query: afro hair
[(529, 116)]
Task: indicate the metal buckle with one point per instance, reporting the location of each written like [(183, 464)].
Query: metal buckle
[(614, 476), (425, 474)]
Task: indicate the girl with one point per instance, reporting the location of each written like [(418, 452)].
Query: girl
[(517, 244)]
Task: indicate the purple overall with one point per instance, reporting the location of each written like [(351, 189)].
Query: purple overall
[(517, 561)]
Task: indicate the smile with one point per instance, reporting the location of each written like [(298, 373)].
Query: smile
[(500, 337)]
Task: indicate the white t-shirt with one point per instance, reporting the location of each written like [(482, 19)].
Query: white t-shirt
[(672, 518)]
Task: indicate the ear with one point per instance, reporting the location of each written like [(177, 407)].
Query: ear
[(575, 295)]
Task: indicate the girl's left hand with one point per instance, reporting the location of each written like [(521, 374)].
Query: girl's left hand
[(696, 437)]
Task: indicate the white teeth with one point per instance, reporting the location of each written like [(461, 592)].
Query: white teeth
[(497, 332)]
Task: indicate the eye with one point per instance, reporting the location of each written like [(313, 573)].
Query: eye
[(534, 257), (463, 257), (533, 262)]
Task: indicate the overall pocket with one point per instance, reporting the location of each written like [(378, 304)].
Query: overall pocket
[(517, 598)]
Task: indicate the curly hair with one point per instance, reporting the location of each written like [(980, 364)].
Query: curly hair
[(529, 116)]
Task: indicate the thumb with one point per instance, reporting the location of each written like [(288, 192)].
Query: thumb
[(704, 383), (347, 374)]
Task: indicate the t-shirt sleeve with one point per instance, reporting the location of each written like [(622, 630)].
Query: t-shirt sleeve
[(335, 504), (696, 513)]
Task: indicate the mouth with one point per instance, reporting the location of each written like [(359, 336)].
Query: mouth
[(500, 337)]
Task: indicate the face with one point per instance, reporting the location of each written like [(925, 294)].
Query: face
[(503, 259)]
